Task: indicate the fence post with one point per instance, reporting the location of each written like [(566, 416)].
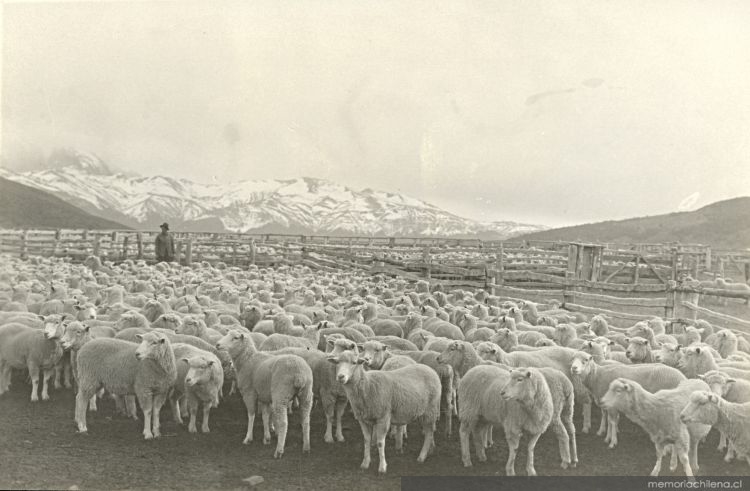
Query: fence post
[(24, 244), (674, 264), (428, 263), (189, 251), (636, 271), (139, 244), (669, 304), (125, 247), (747, 272), (499, 268), (708, 258)]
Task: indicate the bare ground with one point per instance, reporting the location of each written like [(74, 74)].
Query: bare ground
[(39, 448)]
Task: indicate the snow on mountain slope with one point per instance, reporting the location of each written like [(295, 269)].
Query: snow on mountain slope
[(304, 205)]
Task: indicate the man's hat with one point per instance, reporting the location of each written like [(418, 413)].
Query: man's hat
[(164, 225)]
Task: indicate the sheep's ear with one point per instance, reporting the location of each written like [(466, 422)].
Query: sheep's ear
[(360, 346), (41, 317), (731, 381), (528, 374), (139, 337), (360, 361), (713, 398), (697, 350), (333, 359), (210, 363), (185, 360), (701, 376), (86, 327), (386, 347)]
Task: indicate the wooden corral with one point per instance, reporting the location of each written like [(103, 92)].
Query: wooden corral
[(627, 282)]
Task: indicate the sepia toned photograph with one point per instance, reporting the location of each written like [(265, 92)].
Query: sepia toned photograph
[(338, 244)]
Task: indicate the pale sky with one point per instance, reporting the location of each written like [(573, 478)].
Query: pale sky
[(554, 112)]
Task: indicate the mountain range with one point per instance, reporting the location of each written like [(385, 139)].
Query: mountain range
[(297, 206)]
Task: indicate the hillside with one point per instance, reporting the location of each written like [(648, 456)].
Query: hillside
[(24, 206), (724, 224)]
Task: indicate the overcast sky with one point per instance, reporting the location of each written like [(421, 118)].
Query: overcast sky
[(554, 112)]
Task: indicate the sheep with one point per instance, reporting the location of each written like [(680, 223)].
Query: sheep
[(33, 349), (272, 381), (445, 329), (462, 357), (724, 284), (596, 378), (199, 379), (379, 399), (730, 418), (194, 326), (558, 357), (170, 320), (639, 351), (698, 360), (517, 400), (386, 327), (147, 370), (309, 339), (329, 391), (659, 415), (396, 343), (731, 390)]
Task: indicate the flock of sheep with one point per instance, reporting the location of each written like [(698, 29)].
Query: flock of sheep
[(395, 352)]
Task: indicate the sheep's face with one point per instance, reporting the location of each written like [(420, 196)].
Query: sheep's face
[(488, 351), (618, 395), (234, 342), (670, 354), (581, 363), (596, 347), (638, 349), (54, 327), (374, 353), (170, 321), (452, 354), (200, 371), (346, 365), (702, 408), (152, 346), (74, 336), (85, 312), (519, 387), (546, 320), (719, 382)]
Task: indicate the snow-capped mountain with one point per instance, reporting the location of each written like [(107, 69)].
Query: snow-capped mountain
[(305, 205)]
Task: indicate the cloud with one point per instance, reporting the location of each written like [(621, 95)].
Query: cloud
[(689, 202)]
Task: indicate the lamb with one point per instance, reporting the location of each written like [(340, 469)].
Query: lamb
[(397, 397), (462, 357), (659, 415), (33, 349), (731, 419), (131, 319), (170, 320), (309, 339), (199, 379), (147, 370), (726, 343), (272, 381), (517, 400), (597, 378)]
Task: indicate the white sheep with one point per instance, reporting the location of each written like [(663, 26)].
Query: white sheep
[(730, 418), (272, 381), (518, 401), (147, 370), (597, 378), (309, 339), (697, 360), (199, 379), (732, 390), (462, 356), (379, 399), (659, 415), (24, 347)]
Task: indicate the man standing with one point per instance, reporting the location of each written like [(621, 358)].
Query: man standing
[(164, 245)]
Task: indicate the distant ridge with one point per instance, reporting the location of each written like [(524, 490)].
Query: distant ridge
[(724, 224), (26, 207), (304, 205)]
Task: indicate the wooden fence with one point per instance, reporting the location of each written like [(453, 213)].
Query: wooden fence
[(628, 282)]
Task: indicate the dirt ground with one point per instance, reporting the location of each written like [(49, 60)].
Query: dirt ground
[(39, 448)]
